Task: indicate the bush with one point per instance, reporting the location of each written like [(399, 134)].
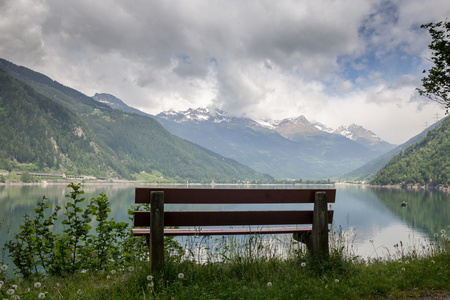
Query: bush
[(37, 250)]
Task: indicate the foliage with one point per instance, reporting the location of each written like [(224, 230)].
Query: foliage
[(252, 276), (436, 85), (424, 163), (36, 250)]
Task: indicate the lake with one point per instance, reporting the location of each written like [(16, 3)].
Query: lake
[(372, 217)]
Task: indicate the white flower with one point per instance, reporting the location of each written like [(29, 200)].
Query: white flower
[(108, 277), (336, 280), (113, 272), (4, 267), (403, 269), (37, 285), (443, 231), (41, 295), (269, 284), (436, 235), (151, 284), (303, 264), (407, 262), (131, 269), (10, 292), (181, 275), (149, 277)]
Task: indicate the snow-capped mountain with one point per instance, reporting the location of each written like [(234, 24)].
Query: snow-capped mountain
[(292, 148), (116, 103)]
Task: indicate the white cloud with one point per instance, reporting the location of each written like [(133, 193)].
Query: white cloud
[(266, 59)]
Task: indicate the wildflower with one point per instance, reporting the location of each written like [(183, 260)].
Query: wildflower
[(37, 285), (181, 275), (113, 272), (407, 262), (131, 269), (336, 280), (443, 235), (4, 267), (149, 277), (151, 284), (443, 231), (41, 295), (269, 284), (303, 264), (436, 235), (10, 292), (15, 286), (403, 269), (108, 277)]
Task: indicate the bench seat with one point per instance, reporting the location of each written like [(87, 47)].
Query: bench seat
[(224, 231)]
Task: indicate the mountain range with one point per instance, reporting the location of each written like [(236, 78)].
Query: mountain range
[(290, 148), (53, 128)]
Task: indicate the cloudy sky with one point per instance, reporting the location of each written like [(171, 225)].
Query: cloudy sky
[(336, 62)]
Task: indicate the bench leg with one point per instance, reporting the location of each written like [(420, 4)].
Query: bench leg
[(303, 237), (156, 231), (319, 234), (317, 239)]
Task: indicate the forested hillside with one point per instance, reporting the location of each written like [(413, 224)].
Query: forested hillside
[(137, 143), (425, 163), (35, 130)]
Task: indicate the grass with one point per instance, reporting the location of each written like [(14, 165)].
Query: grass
[(253, 268)]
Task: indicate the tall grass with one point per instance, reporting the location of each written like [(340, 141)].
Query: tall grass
[(257, 267)]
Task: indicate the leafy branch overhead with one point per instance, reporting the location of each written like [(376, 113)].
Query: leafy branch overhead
[(436, 86)]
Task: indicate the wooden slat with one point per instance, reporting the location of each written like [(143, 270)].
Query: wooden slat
[(224, 231), (233, 196), (229, 218)]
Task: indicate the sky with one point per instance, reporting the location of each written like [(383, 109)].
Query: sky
[(337, 62)]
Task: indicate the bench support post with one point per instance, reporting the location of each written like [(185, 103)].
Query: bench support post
[(319, 234), (156, 231)]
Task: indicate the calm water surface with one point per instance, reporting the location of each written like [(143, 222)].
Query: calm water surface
[(373, 217)]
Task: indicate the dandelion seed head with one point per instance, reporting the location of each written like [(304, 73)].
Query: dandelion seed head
[(269, 284), (403, 269), (37, 285), (433, 262), (150, 284), (41, 295), (10, 292), (15, 286), (4, 267), (181, 275), (303, 264), (149, 277), (113, 272), (407, 262), (336, 280), (108, 277), (436, 235), (443, 231)]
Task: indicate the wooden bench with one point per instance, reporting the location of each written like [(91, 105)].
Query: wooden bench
[(315, 235)]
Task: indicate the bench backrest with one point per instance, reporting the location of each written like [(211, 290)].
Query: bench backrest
[(232, 196)]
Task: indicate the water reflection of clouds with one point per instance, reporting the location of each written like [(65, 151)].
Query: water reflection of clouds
[(379, 241)]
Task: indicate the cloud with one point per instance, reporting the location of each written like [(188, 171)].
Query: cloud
[(264, 59)]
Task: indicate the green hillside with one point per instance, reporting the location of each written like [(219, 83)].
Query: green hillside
[(425, 163), (35, 130), (129, 143)]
